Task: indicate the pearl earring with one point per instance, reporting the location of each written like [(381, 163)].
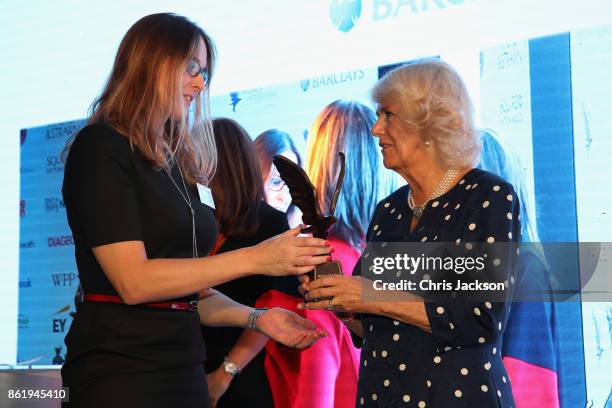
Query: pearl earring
[(427, 143)]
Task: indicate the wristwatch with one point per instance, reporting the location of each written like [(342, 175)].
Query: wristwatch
[(230, 367), (253, 316)]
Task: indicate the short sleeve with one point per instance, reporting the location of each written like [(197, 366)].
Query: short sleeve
[(496, 224), (99, 189)]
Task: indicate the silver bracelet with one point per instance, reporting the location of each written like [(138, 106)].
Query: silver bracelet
[(253, 316)]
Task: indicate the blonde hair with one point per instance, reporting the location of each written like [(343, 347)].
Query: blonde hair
[(144, 89), (435, 101)]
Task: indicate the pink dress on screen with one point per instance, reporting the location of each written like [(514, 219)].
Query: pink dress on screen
[(329, 369)]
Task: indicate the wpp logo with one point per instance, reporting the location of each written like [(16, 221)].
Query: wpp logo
[(305, 84), (345, 13)]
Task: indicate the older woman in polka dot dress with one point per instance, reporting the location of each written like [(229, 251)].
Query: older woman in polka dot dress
[(424, 353)]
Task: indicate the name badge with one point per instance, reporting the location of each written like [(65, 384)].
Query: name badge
[(206, 196)]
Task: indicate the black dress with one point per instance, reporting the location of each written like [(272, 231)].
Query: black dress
[(459, 364), (119, 355), (251, 385)]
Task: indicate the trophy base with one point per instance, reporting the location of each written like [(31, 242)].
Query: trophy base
[(332, 268)]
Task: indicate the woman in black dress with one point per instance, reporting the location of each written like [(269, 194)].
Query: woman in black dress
[(235, 361), (423, 352), (141, 216)]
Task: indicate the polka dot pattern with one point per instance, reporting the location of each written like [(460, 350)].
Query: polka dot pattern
[(475, 213)]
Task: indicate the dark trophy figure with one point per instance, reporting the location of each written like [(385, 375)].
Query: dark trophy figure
[(305, 197)]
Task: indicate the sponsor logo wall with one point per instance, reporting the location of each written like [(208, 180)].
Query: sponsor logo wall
[(48, 277)]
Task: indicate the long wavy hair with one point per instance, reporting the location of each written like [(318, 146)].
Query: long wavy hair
[(144, 89), (345, 126), (237, 185)]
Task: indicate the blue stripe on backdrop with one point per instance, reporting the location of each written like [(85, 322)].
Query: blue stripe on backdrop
[(554, 174)]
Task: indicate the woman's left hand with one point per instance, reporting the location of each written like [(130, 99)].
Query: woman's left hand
[(347, 293), (289, 328)]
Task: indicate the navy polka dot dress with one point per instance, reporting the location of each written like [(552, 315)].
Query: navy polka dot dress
[(459, 364)]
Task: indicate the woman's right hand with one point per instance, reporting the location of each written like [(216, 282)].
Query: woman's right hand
[(288, 254)]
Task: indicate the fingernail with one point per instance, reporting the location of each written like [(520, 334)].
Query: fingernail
[(300, 306), (327, 243), (329, 258), (332, 250)]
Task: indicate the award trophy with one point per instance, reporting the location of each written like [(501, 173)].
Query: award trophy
[(304, 195)]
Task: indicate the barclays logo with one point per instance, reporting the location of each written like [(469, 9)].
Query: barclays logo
[(345, 14), (305, 84)]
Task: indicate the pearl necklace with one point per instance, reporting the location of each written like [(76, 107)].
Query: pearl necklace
[(443, 187)]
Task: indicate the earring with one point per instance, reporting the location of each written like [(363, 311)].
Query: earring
[(427, 143)]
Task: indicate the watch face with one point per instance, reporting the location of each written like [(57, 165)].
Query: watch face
[(230, 368)]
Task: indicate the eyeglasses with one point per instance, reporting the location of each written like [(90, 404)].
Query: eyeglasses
[(276, 183), (194, 69)]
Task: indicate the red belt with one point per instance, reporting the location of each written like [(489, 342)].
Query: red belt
[(189, 306)]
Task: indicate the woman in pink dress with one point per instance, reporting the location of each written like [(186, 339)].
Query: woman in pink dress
[(328, 370)]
